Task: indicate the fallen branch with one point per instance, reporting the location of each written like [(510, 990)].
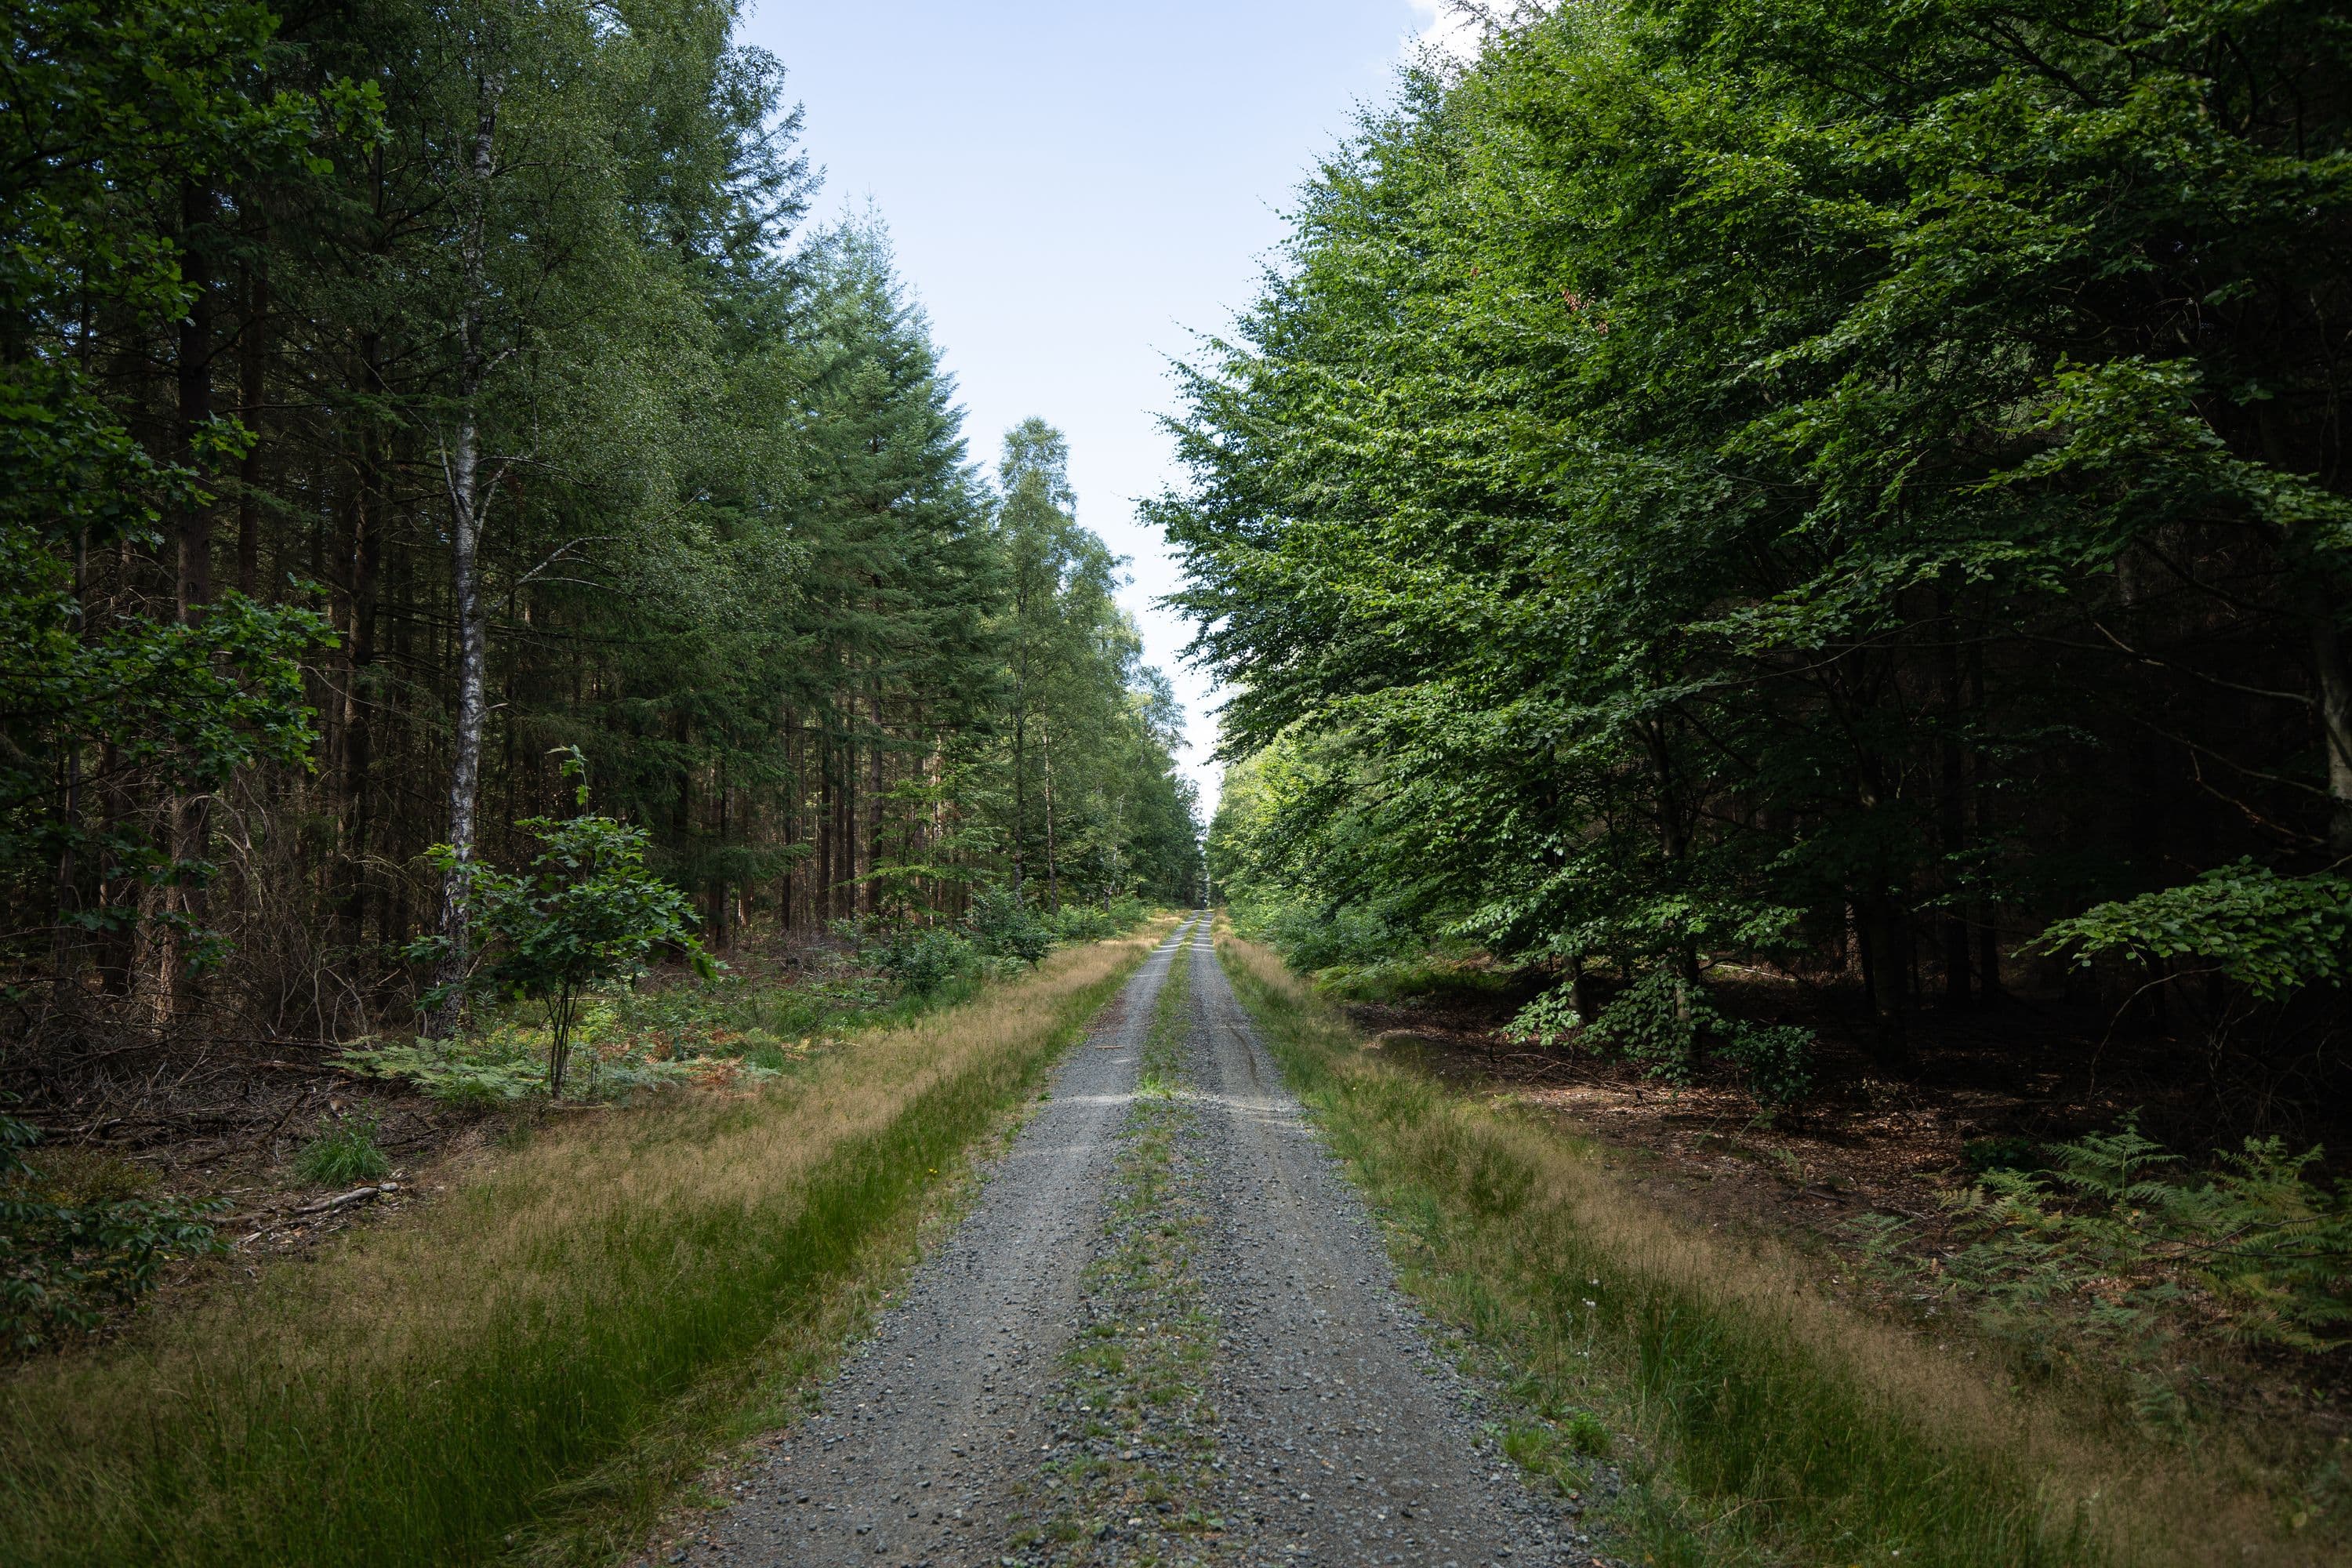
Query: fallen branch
[(356, 1195)]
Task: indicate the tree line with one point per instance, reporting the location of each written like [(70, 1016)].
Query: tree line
[(397, 395), (1855, 489)]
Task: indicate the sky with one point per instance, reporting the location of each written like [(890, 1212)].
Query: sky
[(1073, 190)]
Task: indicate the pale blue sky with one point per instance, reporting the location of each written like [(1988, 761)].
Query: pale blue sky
[(1074, 188)]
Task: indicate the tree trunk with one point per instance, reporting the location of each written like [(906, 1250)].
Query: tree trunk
[(1951, 805), (253, 366), (195, 390), (364, 566), (1052, 870), (464, 476), (1886, 962), (2335, 679), (876, 795), (1020, 782), (184, 824)]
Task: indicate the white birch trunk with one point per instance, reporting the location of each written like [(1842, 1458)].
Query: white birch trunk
[(464, 473)]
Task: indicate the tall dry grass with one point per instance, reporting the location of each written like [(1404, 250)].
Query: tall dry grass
[(1785, 1426), (554, 1341)]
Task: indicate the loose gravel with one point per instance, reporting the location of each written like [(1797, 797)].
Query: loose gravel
[(1166, 1333)]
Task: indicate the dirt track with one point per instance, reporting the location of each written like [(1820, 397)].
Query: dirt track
[(1166, 1333)]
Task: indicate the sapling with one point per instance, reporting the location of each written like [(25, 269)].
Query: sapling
[(586, 913)]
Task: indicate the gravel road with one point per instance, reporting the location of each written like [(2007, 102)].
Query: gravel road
[(1166, 1333)]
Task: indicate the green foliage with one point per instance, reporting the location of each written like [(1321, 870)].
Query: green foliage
[(737, 546), (1004, 925), (479, 1072), (2115, 1242), (1661, 1021), (586, 913), (928, 958), (113, 108), (1708, 476), (1551, 1020), (2271, 934), (68, 1259), (1656, 1022), (1775, 1062), (1426, 976), (343, 1153), (1313, 939), (1096, 923), (2004, 1153)]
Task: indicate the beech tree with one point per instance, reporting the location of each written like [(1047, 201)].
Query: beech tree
[(1842, 484)]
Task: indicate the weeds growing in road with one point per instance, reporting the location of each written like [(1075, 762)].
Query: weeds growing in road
[(1127, 1488), (530, 1365), (1781, 1425)]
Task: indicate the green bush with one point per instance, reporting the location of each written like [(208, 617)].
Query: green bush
[(587, 912), (67, 1258), (343, 1153), (460, 1072), (1003, 925), (1082, 922), (2271, 934), (1312, 937), (1660, 1022), (925, 959), (1775, 1061)]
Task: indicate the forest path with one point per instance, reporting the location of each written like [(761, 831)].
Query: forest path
[(1167, 1333)]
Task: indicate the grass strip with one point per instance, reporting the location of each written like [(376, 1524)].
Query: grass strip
[(1139, 1434), (463, 1387), (1780, 1425)]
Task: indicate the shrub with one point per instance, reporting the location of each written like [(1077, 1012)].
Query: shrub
[(1551, 1019), (1003, 925), (343, 1153), (1081, 922), (924, 959), (2268, 933), (1310, 938), (460, 1072), (586, 913), (1659, 1022), (1775, 1062), (65, 1259)]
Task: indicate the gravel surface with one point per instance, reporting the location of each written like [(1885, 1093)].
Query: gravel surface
[(1167, 1333)]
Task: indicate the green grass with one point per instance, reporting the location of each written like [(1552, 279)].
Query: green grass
[(343, 1153), (1428, 977), (531, 1368), (1765, 1425)]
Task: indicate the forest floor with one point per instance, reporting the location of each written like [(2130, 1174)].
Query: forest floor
[(1991, 1086), (207, 1112)]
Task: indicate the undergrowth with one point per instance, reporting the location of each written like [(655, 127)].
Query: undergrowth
[(344, 1151), (1768, 1423), (2111, 1255)]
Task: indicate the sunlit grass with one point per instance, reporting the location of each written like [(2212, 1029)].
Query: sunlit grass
[(1769, 1423), (529, 1365)]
